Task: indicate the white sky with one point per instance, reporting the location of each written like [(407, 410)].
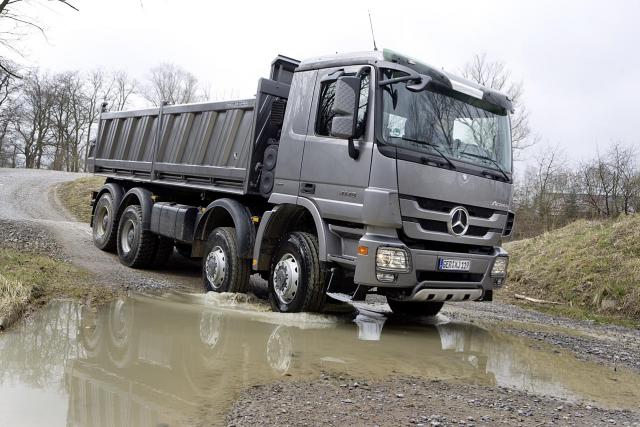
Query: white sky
[(578, 60)]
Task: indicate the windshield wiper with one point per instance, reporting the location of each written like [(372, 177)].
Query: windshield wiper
[(434, 146), (495, 163)]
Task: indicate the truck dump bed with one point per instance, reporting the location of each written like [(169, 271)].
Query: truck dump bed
[(212, 146)]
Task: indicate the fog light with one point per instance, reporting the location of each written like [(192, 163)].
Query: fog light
[(386, 277), (392, 259), (500, 266)]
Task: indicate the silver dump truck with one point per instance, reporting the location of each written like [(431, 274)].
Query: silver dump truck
[(347, 175)]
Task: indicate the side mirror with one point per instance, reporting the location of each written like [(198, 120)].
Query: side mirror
[(345, 109)]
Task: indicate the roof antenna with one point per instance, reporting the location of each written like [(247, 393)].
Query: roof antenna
[(373, 36)]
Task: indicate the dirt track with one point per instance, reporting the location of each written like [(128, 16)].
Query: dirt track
[(29, 196)]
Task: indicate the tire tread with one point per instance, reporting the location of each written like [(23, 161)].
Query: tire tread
[(148, 242)]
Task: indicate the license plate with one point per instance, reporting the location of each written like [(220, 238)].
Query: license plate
[(454, 264)]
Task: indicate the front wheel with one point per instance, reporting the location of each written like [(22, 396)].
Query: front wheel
[(415, 308), (296, 282)]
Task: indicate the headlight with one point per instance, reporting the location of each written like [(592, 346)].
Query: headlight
[(500, 267), (392, 259)]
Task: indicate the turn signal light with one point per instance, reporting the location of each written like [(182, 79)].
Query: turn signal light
[(363, 250)]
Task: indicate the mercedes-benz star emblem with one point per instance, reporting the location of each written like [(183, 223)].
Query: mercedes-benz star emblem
[(458, 221)]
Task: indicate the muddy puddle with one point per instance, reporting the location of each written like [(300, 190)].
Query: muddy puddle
[(153, 361)]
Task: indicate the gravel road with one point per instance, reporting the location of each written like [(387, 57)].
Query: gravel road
[(411, 402), (30, 214)]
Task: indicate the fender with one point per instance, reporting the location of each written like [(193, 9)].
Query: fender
[(321, 226), (272, 224), (216, 214), (116, 194), (144, 199)]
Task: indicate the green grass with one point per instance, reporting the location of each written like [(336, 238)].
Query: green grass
[(592, 267), (30, 280), (76, 196)]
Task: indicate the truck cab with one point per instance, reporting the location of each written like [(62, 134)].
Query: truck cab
[(409, 169)]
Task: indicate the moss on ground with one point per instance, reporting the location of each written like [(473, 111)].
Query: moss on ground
[(592, 267), (76, 196), (29, 280)]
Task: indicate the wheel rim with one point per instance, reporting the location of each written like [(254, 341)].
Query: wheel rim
[(121, 323), (210, 329), (280, 350), (127, 236), (285, 278), (102, 220), (216, 267)]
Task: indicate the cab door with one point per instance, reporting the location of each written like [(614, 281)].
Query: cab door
[(332, 179)]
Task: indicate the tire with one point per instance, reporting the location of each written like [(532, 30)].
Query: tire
[(164, 249), (415, 308), (222, 250), (296, 280), (136, 247), (105, 224)]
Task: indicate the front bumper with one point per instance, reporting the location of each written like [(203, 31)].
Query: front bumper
[(425, 281)]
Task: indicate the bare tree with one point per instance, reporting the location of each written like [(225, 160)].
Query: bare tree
[(624, 160), (70, 121), (495, 75), (99, 88), (123, 87), (170, 83), (611, 181), (548, 166), (8, 94), (32, 121), (15, 25)]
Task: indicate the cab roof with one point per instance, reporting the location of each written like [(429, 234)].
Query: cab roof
[(453, 81)]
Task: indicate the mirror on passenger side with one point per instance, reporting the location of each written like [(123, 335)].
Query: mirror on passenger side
[(345, 107)]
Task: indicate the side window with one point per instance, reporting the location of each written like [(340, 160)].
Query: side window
[(325, 116)]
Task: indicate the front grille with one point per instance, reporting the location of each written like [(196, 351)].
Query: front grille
[(433, 217), (444, 276), (441, 227), (433, 245), (445, 207)]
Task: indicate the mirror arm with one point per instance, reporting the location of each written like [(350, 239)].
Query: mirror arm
[(354, 152)]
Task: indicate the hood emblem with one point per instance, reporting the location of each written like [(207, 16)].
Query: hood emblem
[(458, 223)]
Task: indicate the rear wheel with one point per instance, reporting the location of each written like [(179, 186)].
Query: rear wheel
[(296, 282), (105, 224), (415, 308), (222, 269), (136, 247)]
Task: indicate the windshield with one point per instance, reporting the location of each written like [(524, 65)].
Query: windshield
[(442, 122)]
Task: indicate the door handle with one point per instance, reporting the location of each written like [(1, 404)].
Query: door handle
[(307, 188)]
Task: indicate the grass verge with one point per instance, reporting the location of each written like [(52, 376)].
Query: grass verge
[(76, 196), (30, 280), (591, 267)]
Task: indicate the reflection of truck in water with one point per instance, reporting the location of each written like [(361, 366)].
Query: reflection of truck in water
[(148, 361), (153, 362), (346, 175)]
